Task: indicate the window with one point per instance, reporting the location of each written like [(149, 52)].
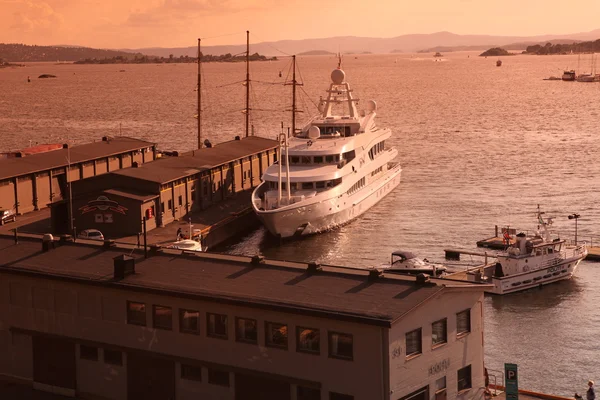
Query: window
[(413, 343), (245, 330), (180, 200), (438, 332), (217, 377), (294, 160), (216, 325), (113, 357), (170, 203), (307, 185), (464, 378), (136, 313), (318, 159), (440, 389), (162, 317), (339, 396), (191, 372), (162, 206), (276, 335), (340, 345), (189, 321), (88, 352), (320, 185), (329, 159), (305, 160), (308, 340), (463, 322), (305, 393)]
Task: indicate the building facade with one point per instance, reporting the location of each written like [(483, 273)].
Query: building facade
[(93, 322), (31, 182)]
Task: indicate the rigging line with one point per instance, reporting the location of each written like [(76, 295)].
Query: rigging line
[(269, 83), (273, 47), (219, 36), (228, 84), (311, 100)]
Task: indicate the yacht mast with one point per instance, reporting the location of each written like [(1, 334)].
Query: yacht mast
[(293, 95), (247, 82), (199, 98)]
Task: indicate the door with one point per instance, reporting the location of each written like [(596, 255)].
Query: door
[(150, 378), (54, 362), (259, 388)]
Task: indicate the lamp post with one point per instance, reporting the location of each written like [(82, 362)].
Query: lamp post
[(575, 217)]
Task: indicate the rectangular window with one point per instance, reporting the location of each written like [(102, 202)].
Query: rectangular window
[(162, 206), (320, 185), (318, 159), (339, 396), (341, 345), (245, 330), (113, 357), (329, 159), (180, 200), (162, 317), (307, 185), (305, 393), (464, 378), (463, 322), (218, 377), (191, 372), (136, 313), (88, 352), (305, 160), (294, 160), (276, 335), (413, 343), (216, 325), (440, 389), (439, 332), (308, 340), (189, 321), (170, 203)]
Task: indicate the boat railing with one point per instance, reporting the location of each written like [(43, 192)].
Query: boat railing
[(272, 201), (496, 379)]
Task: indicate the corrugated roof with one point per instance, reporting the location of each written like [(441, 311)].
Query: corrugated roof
[(288, 287), (11, 167), (168, 169)]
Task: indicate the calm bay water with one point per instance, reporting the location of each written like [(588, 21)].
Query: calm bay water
[(479, 146)]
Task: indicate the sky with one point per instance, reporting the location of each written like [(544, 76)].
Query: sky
[(178, 23)]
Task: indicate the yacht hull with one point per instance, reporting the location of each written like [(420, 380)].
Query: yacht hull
[(320, 216), (536, 278)]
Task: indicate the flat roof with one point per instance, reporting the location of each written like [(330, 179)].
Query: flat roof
[(333, 292), (167, 169), (11, 167)]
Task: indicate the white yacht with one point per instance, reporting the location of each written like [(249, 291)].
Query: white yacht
[(331, 172), (405, 262), (532, 261)]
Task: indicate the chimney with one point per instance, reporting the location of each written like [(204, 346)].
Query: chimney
[(123, 265), (47, 242)]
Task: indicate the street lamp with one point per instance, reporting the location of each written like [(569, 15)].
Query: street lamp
[(575, 217)]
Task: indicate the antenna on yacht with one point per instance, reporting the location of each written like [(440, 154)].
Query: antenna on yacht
[(247, 82), (293, 96), (199, 98)]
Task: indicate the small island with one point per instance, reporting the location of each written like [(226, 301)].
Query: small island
[(172, 60), (495, 52), (6, 64), (45, 76), (316, 53)]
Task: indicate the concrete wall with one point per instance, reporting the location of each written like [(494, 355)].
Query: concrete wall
[(101, 379), (89, 314), (442, 360)]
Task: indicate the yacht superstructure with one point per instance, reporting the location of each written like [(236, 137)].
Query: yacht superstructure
[(331, 172)]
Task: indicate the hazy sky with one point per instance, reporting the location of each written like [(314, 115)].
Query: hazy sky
[(178, 23)]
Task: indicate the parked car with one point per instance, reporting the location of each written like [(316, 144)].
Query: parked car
[(91, 234), (7, 216)]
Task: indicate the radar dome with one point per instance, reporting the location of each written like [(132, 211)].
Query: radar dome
[(371, 105), (314, 132), (338, 76)]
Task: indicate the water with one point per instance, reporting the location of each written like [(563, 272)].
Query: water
[(479, 145)]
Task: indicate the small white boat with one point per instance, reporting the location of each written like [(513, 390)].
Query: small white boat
[(405, 262), (187, 245), (569, 75), (532, 262)]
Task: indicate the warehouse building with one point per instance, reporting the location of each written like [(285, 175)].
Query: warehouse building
[(30, 182), (105, 323), (165, 190)]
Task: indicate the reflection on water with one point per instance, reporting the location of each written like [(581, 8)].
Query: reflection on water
[(479, 146)]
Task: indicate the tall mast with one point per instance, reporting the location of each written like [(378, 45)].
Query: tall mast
[(199, 98), (247, 83), (293, 95)]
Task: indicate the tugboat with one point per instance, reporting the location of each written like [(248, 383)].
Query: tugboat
[(332, 171), (533, 261)]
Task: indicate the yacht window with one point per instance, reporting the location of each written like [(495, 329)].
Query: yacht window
[(320, 185), (307, 185), (347, 131), (337, 181), (329, 159), (318, 159), (349, 156), (283, 186), (294, 160), (305, 160), (293, 186)]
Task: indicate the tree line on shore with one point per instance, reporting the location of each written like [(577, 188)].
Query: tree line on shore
[(549, 48), (171, 59)]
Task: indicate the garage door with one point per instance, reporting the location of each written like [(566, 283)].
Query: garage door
[(259, 388)]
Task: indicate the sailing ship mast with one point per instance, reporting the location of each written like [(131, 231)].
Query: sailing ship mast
[(247, 82), (199, 98)]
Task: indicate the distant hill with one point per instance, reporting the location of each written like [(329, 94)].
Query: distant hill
[(22, 53), (511, 46), (496, 51), (354, 44), (316, 53)]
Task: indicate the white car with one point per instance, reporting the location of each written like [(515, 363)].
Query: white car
[(91, 234)]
